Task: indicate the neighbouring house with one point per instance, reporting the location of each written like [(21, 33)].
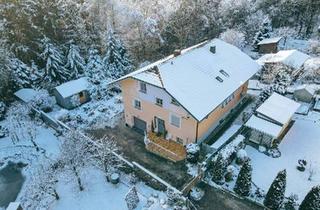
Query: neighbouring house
[(185, 96), (291, 58), (305, 93), (270, 45), (271, 120), (72, 94)]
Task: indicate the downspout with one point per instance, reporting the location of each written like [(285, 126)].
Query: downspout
[(197, 131)]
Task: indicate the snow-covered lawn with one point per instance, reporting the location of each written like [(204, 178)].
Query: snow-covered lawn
[(301, 142)]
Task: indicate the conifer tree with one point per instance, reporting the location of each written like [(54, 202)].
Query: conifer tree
[(116, 58), (262, 34), (54, 63), (75, 62), (95, 69), (243, 183), (132, 198), (275, 194), (312, 199), (218, 169)]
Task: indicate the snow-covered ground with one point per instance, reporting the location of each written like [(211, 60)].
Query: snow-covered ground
[(301, 142)]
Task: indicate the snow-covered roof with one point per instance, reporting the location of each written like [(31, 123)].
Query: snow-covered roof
[(256, 85), (270, 40), (309, 88), (72, 87), (292, 58), (26, 94), (192, 78), (264, 126), (278, 108), (13, 206)]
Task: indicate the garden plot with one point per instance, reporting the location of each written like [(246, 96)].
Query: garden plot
[(301, 143)]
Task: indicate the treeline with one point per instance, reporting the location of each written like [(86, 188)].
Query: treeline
[(46, 42)]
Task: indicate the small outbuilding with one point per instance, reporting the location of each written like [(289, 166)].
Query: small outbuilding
[(26, 94), (304, 93), (270, 45), (14, 206), (271, 120), (72, 94)]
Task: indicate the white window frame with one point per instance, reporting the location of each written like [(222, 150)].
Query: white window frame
[(174, 115), (161, 105)]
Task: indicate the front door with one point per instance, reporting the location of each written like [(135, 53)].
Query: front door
[(160, 125)]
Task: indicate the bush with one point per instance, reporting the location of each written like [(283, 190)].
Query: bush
[(193, 152)]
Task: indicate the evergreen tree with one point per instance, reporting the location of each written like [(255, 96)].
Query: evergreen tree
[(54, 63), (263, 33), (312, 200), (275, 195), (218, 169), (95, 68), (243, 183), (116, 59), (75, 62)]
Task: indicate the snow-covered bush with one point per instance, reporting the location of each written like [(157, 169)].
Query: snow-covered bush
[(312, 69), (193, 152), (230, 173), (314, 46), (312, 199), (218, 169), (275, 194), (196, 193), (132, 198), (2, 110), (241, 156), (233, 37), (43, 101), (243, 183), (175, 200)]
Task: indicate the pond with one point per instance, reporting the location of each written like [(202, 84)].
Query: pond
[(11, 181)]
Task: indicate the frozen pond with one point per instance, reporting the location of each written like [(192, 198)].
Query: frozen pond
[(11, 180)]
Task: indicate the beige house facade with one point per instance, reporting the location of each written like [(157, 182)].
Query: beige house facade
[(186, 96)]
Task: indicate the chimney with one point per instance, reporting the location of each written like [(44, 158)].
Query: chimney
[(176, 53), (213, 49)]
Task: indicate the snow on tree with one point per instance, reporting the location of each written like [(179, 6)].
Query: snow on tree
[(132, 198), (218, 169), (95, 68), (54, 62), (116, 58), (175, 199), (276, 192), (263, 33), (75, 62), (3, 109), (291, 202), (312, 199), (43, 101), (41, 188), (243, 183), (233, 37)]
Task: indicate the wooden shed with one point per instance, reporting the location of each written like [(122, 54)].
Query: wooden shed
[(72, 94), (270, 45)]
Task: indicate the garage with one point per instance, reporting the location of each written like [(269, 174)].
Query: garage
[(139, 125)]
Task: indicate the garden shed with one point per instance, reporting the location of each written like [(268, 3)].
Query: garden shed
[(304, 93), (271, 120), (72, 94), (270, 45)]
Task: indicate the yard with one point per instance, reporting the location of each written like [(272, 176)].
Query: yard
[(301, 142)]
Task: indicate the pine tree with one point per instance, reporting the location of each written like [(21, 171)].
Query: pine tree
[(263, 33), (54, 63), (218, 169), (243, 183), (132, 198), (95, 68), (275, 195), (116, 59), (75, 62), (312, 200)]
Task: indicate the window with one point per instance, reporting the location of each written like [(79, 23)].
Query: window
[(137, 104), (219, 79), (179, 140), (175, 102), (81, 94), (227, 100), (159, 102), (143, 87), (224, 73), (175, 120)]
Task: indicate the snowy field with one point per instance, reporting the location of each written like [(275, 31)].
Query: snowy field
[(301, 142)]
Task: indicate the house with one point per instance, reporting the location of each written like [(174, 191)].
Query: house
[(291, 58), (270, 45), (271, 120), (305, 93), (72, 94), (185, 96)]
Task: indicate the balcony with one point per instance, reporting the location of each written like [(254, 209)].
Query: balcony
[(165, 148)]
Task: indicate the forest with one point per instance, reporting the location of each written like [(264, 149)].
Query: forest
[(46, 42)]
